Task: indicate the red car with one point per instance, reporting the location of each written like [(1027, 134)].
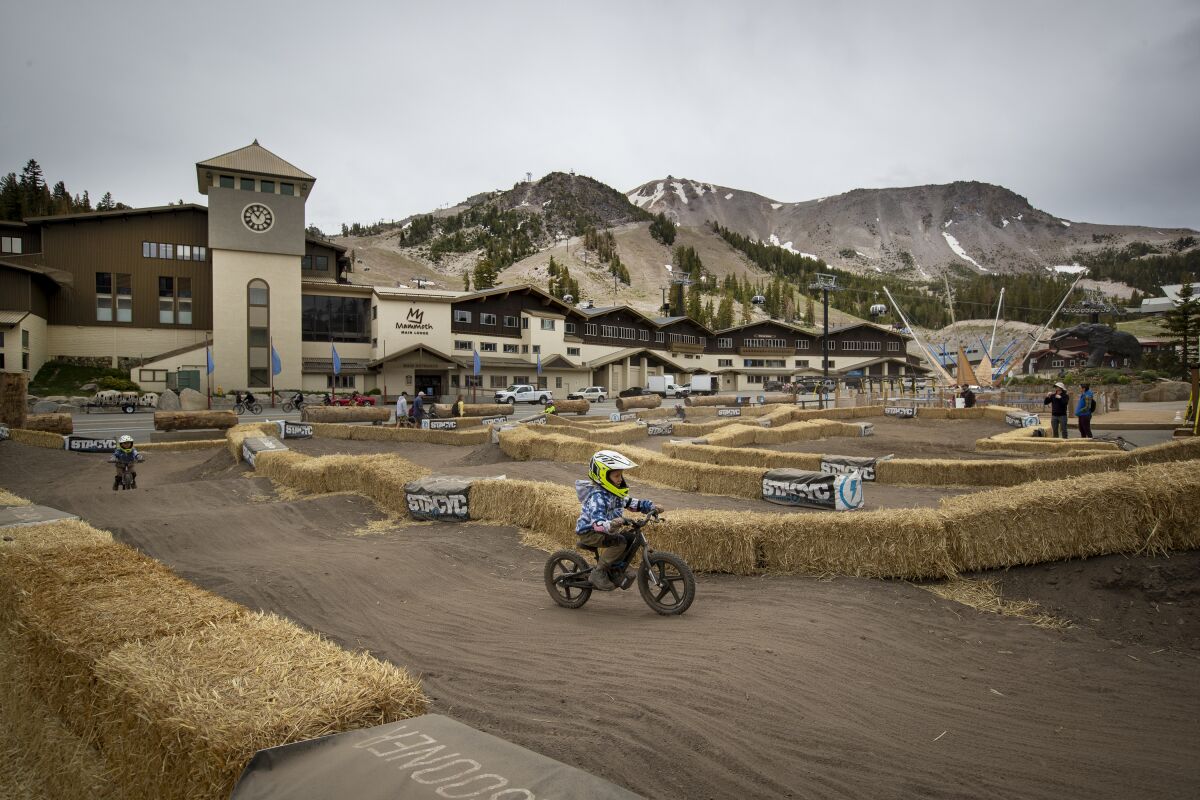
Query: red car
[(355, 399)]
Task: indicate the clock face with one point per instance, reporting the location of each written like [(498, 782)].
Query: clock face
[(258, 218)]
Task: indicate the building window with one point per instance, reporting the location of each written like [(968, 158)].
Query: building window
[(374, 342), (510, 322), (802, 344), (547, 324), (525, 349), (1, 360), (829, 362), (542, 383), (725, 343), (557, 382), (199, 253), (322, 264), (893, 347), (166, 300), (183, 252), (340, 381), (152, 375), (24, 338), (643, 336), (374, 312), (520, 379), (851, 346), (247, 184), (1057, 362), (287, 188), (724, 362), (166, 250), (341, 319), (10, 244), (487, 347), (524, 323), (801, 362), (305, 262), (487, 319), (268, 187), (25, 361), (149, 249), (569, 327), (871, 346), (537, 348), (462, 316), (832, 345), (226, 181), (183, 296), (512, 348), (124, 283), (104, 297), (258, 333), (591, 329), (498, 381), (463, 344), (763, 362), (756, 379), (618, 332), (572, 351), (687, 338), (762, 341)]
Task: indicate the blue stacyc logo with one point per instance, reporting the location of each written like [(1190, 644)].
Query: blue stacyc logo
[(850, 492)]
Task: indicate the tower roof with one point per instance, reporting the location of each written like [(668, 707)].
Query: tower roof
[(254, 159)]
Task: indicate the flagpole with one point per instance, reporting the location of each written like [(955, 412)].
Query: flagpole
[(271, 342), (207, 371)]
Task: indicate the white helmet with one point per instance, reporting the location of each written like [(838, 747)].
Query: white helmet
[(604, 462), (125, 442)]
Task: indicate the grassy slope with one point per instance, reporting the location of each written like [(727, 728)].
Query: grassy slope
[(57, 378)]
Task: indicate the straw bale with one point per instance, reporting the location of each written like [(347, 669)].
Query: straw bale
[(1174, 490), (332, 430), (446, 410), (9, 499), (641, 401), (375, 433), (236, 436), (42, 756), (547, 508), (14, 386), (580, 407), (64, 628), (51, 441), (346, 413), (179, 447), (184, 714), (193, 420), (873, 544), (52, 423)]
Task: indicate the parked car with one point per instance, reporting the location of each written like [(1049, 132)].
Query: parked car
[(595, 394), (634, 391), (777, 386), (355, 399), (665, 386), (524, 393)]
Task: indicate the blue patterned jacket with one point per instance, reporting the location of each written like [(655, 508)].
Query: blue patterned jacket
[(601, 507)]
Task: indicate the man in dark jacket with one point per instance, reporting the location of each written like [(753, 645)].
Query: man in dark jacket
[(1060, 403), (418, 407)]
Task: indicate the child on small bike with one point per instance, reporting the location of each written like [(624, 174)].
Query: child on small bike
[(605, 496), (125, 456)]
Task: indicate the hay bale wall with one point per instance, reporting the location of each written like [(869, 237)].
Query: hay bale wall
[(14, 386), (51, 441), (380, 477), (446, 410), (179, 447), (51, 423), (193, 420), (346, 413), (1023, 440), (375, 433), (128, 682), (642, 401)]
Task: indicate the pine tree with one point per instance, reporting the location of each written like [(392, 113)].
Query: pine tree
[(809, 313), (694, 309), (1183, 326), (34, 197), (10, 198), (724, 317), (106, 202), (663, 230), (746, 315), (85, 204), (466, 281)]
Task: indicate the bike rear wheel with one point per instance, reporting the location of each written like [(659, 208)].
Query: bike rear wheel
[(255, 408), (562, 563), (676, 587), (287, 407)]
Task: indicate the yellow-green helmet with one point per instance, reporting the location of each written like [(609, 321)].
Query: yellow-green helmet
[(604, 462)]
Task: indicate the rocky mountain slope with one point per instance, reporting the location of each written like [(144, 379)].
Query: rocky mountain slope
[(917, 232)]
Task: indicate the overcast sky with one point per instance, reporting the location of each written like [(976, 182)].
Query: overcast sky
[(1087, 108)]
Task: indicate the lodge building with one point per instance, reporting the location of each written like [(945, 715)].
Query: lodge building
[(150, 289)]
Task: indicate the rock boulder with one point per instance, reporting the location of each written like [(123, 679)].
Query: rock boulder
[(168, 401), (191, 400)]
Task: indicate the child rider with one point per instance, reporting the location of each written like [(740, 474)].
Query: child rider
[(605, 496), (125, 454)]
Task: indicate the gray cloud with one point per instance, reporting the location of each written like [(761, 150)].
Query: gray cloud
[(1087, 108)]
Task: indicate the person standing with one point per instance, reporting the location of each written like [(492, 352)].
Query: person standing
[(401, 408), (1084, 411), (460, 407), (968, 397), (1060, 404), (418, 408)]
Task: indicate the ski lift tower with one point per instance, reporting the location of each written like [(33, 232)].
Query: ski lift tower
[(825, 284), (1093, 305)]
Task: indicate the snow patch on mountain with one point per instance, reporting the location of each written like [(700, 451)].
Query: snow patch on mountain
[(1069, 269), (642, 201), (679, 191), (776, 206), (958, 251), (729, 196)]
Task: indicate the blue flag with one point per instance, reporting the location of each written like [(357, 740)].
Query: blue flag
[(276, 364), (475, 361), (211, 366), (539, 363), (337, 362)]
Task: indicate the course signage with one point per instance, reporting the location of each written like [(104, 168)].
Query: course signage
[(430, 757), (1022, 420), (493, 420), (441, 497), (866, 428), (660, 429), (440, 424), (294, 430), (540, 419), (622, 416), (729, 412), (903, 412), (253, 445), (88, 444), (844, 465), (3, 432), (793, 487)]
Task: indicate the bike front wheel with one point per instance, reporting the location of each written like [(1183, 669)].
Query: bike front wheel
[(255, 408), (676, 586), (288, 407), (565, 590)]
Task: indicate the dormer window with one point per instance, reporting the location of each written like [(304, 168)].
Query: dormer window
[(247, 184), (287, 188), (266, 187), (225, 181)]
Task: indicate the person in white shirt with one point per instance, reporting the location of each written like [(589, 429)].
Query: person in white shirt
[(401, 408)]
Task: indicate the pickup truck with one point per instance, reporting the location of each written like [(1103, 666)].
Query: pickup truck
[(596, 394), (524, 393)]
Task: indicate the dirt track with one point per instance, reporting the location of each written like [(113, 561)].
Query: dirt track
[(767, 687)]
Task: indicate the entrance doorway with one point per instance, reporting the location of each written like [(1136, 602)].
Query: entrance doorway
[(430, 383)]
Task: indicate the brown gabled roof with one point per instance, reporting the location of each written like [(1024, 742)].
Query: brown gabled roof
[(31, 262), (412, 348), (124, 212), (258, 159), (178, 351)]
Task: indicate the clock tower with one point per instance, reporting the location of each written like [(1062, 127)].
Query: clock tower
[(256, 240)]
